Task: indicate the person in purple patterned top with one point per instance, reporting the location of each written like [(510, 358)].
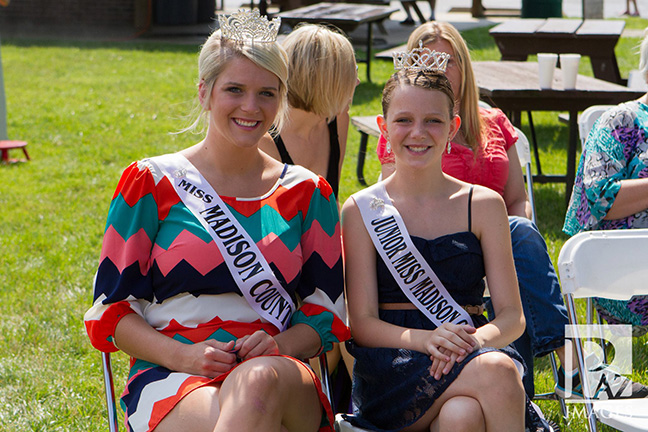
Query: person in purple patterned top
[(611, 188)]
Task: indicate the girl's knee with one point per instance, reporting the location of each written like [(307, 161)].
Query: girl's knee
[(497, 369), (459, 414)]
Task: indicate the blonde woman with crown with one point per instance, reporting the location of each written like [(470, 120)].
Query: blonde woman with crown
[(221, 267), (417, 247)]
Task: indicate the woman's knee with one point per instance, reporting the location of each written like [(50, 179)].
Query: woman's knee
[(261, 375), (198, 411), (273, 377)]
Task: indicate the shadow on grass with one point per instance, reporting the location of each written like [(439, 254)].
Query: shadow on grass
[(367, 92), (131, 45)]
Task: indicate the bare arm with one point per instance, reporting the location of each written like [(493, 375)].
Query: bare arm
[(137, 338), (300, 341), (515, 197), (491, 227), (632, 198), (210, 358)]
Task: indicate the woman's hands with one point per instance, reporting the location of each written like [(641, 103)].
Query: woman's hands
[(211, 358), (257, 344), (449, 344)]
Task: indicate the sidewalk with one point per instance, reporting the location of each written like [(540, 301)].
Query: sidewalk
[(446, 10)]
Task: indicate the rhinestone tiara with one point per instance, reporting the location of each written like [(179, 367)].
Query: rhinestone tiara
[(421, 59), (249, 26)]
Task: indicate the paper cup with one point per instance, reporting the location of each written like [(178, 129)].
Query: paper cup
[(546, 67), (569, 65)]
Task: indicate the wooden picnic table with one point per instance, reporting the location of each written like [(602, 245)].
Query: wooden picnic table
[(519, 38), (520, 91), (346, 16)]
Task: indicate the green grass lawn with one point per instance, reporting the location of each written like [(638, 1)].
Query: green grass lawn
[(87, 111)]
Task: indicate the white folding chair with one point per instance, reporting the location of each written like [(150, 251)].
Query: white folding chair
[(587, 120), (609, 264), (523, 148)]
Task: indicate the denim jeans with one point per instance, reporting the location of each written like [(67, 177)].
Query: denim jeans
[(544, 309)]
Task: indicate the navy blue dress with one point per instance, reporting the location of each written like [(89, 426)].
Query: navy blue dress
[(393, 388)]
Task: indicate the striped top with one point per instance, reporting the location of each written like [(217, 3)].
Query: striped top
[(158, 261)]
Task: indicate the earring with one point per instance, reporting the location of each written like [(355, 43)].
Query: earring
[(388, 147), (449, 147)]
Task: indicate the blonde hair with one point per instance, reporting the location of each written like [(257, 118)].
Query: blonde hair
[(322, 70), (216, 54), (468, 97)]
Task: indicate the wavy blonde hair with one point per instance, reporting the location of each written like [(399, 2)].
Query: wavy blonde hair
[(468, 97), (216, 54)]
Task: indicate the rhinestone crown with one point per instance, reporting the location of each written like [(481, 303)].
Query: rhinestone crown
[(246, 26), (421, 59)]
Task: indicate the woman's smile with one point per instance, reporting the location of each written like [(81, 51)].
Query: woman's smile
[(249, 124)]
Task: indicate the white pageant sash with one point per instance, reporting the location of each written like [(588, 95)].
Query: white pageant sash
[(411, 271), (246, 263)]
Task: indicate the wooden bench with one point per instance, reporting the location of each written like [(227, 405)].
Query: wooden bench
[(366, 125), (7, 145)]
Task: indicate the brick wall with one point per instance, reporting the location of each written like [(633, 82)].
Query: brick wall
[(75, 12)]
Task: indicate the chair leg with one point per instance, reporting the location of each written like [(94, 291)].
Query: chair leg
[(109, 388), (553, 395), (582, 367), (554, 370), (327, 387)]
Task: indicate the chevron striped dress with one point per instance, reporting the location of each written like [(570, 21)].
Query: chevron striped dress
[(158, 261)]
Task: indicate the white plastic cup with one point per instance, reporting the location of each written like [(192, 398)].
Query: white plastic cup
[(569, 65), (546, 67)]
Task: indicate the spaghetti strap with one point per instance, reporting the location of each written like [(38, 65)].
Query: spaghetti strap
[(332, 172), (283, 152), (470, 193)]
